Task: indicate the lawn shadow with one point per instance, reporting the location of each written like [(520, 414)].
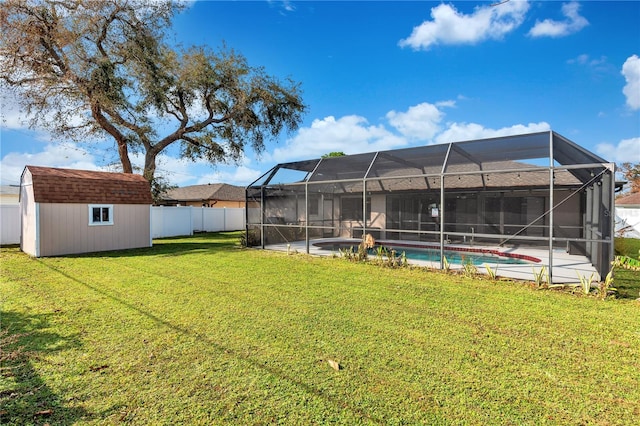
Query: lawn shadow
[(176, 246), (627, 284), (25, 397)]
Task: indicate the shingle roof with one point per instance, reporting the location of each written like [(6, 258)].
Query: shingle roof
[(211, 191), (631, 199), (53, 185), (518, 179)]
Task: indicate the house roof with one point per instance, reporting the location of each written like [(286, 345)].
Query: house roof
[(211, 191), (519, 176), (630, 200), (53, 185), (9, 190)]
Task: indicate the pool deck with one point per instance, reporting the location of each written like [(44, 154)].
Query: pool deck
[(566, 267)]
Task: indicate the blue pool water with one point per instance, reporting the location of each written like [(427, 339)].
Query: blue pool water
[(432, 254)]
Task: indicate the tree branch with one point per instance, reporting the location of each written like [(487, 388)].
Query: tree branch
[(121, 140)]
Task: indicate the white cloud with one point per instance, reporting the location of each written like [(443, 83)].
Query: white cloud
[(627, 150), (448, 104), (350, 134), (572, 24), (241, 175), (585, 59), (469, 131), (582, 59), (288, 6), (11, 116), (176, 171), (14, 115), (631, 72), (285, 5), (452, 27), (72, 156), (419, 122), (183, 172), (53, 155)]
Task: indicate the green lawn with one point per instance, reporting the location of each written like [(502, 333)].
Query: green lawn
[(197, 331), (627, 283)]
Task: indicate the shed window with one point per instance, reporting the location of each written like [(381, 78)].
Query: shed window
[(100, 214)]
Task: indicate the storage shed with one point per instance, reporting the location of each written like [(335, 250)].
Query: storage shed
[(66, 211)]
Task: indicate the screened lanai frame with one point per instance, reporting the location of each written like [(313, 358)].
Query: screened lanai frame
[(498, 191)]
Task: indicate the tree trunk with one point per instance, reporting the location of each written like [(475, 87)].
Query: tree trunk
[(121, 141), (150, 164), (123, 152)]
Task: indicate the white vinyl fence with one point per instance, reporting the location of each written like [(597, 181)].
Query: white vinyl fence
[(165, 221), (9, 224), (177, 221)]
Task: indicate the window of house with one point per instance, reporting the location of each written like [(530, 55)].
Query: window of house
[(314, 201), (352, 208), (100, 214)]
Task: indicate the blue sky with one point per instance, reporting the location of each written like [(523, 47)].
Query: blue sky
[(380, 75)]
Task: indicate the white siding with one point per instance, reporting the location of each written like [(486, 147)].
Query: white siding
[(64, 229), (28, 216)]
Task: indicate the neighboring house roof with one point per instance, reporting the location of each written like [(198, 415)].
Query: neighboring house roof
[(9, 194), (629, 200), (9, 190), (405, 179), (517, 178), (53, 185), (211, 191)]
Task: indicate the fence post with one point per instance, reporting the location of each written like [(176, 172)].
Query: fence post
[(191, 219)]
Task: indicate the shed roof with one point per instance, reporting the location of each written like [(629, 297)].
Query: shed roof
[(211, 191), (54, 185), (629, 200)]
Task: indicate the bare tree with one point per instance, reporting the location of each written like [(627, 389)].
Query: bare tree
[(631, 172), (85, 67)]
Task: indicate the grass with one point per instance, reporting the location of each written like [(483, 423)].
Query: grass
[(627, 283), (197, 331)]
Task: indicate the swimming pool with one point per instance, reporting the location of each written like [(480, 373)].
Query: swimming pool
[(454, 255)]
